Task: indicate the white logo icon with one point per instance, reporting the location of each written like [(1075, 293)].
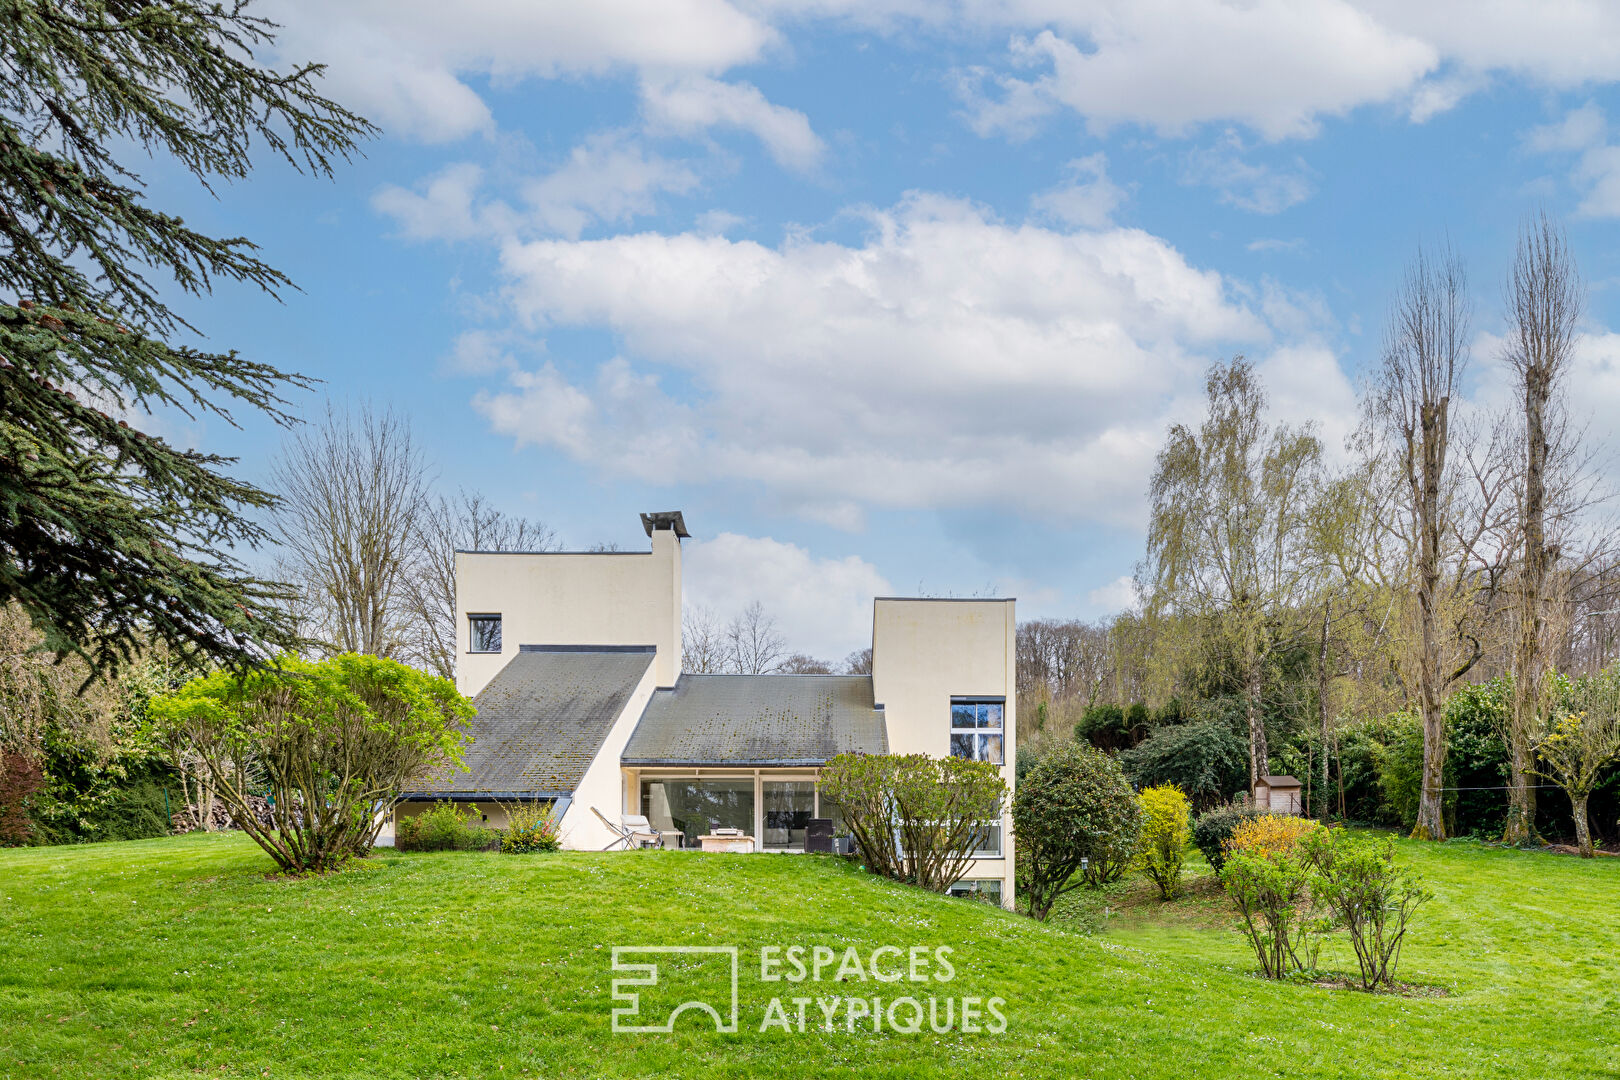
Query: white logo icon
[(647, 975)]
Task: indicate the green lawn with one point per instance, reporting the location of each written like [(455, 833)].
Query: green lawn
[(178, 957)]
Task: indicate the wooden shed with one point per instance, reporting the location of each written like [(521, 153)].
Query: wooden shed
[(1279, 794)]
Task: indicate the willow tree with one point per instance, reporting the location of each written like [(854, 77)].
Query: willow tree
[(1544, 303), (1229, 544), (111, 537)]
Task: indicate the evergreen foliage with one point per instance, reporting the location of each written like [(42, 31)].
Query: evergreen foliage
[(111, 538)]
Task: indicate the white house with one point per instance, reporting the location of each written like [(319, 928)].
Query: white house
[(574, 662)]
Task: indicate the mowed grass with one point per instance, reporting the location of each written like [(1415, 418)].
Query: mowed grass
[(180, 957)]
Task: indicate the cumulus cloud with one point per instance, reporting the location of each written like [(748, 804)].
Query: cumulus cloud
[(610, 179), (823, 606), (1117, 595), (1584, 133), (1087, 197), (948, 359), (695, 103), (1277, 67)]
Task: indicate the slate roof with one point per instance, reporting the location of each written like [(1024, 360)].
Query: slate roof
[(758, 720), (542, 719), (1281, 781)]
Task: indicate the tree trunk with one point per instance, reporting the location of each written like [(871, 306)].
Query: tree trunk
[(1322, 705), (1521, 820), (1259, 757), (1430, 820), (1583, 828)]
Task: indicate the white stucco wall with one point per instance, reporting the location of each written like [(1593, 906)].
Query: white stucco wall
[(925, 652), (597, 598)]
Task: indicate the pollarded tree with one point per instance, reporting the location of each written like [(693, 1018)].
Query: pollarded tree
[(111, 538), (1229, 544)]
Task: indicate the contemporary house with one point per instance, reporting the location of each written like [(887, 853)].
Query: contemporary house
[(574, 663)]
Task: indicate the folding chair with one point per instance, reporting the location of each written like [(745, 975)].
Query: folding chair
[(634, 831)]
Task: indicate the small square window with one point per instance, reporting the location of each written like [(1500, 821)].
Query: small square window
[(484, 633)]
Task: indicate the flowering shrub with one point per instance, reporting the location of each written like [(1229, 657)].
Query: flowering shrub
[(531, 827), (442, 827), (1214, 828), (1166, 827), (1269, 834)]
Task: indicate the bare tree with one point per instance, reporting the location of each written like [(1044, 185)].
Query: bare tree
[(859, 662), (802, 664), (1425, 356), (1544, 300), (465, 523), (753, 644), (703, 645), (353, 491)]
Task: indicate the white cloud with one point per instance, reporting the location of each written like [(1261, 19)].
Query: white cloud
[(823, 606), (1260, 189), (1274, 244), (1584, 132), (1277, 67), (1117, 595), (610, 178), (1088, 197), (402, 62), (695, 103), (947, 360)]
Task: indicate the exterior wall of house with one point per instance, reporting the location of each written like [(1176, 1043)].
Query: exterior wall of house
[(924, 653), (553, 598), (603, 785)]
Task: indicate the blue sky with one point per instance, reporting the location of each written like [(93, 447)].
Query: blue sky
[(893, 297)]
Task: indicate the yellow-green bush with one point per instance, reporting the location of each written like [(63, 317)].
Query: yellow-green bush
[(531, 827), (1269, 834), (1166, 828)]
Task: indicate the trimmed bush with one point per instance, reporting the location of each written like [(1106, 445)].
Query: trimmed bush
[(443, 827), (1077, 822), (530, 827), (1214, 828), (1165, 831)]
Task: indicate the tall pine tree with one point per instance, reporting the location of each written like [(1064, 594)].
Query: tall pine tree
[(111, 537)]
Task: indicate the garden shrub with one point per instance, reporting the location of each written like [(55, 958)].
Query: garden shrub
[(1271, 888), (1356, 877), (1268, 834), (1206, 759), (333, 741), (444, 826), (1165, 831), (1214, 828), (530, 827), (1077, 821), (916, 818)]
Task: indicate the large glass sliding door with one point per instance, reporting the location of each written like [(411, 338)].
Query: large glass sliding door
[(789, 806), (697, 807)]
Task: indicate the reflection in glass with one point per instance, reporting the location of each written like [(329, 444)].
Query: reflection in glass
[(695, 808), (789, 806)]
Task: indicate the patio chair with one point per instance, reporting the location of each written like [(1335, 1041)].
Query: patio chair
[(633, 831)]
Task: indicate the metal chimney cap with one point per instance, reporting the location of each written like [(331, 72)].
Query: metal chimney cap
[(665, 519)]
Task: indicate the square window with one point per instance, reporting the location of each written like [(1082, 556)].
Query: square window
[(976, 727), (484, 633)]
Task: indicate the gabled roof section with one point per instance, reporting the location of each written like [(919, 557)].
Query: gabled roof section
[(758, 720), (542, 720)]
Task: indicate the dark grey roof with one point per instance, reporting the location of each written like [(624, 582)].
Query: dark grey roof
[(758, 720), (542, 719), (1280, 781)]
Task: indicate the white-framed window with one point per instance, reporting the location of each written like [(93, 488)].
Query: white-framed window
[(991, 848), (976, 730), (484, 633), (985, 889)]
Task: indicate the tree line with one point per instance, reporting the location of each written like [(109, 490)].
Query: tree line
[(1447, 546)]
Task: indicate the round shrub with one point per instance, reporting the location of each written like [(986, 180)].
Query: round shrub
[(1269, 834), (1165, 830), (530, 828), (1214, 828), (1206, 759), (1077, 821)]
